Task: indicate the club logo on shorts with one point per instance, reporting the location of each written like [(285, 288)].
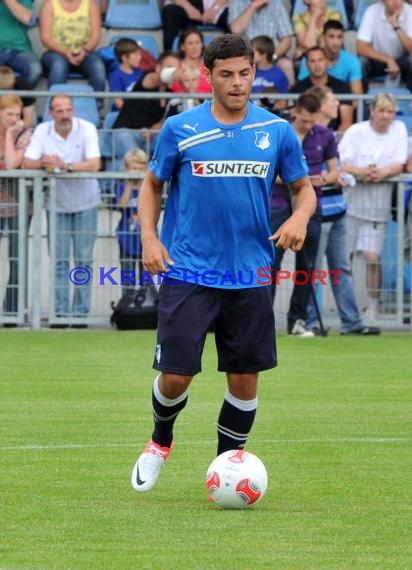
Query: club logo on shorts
[(262, 140), (245, 168)]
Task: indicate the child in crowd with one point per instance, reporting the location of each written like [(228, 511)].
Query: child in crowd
[(8, 80), (190, 81), (128, 54), (268, 78), (128, 230)]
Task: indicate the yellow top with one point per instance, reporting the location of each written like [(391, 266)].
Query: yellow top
[(301, 21), (71, 29)]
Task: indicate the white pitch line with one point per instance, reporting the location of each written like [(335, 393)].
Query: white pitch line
[(309, 441)]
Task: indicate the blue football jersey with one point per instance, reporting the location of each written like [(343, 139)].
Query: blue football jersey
[(217, 217)]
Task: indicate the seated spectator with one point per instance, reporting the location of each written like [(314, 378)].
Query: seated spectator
[(191, 48), (190, 82), (317, 65), (139, 120), (14, 139), (372, 151), (268, 77), (15, 48), (180, 14), (71, 32), (267, 74), (265, 17), (384, 41), (308, 25), (127, 52), (341, 64), (128, 229), (8, 80)]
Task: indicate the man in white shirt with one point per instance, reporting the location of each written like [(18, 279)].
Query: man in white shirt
[(384, 41), (68, 144), (372, 151)]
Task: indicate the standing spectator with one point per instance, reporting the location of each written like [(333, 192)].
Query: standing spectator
[(15, 48), (308, 25), (128, 229), (319, 147), (8, 80), (180, 14), (265, 17), (372, 151), (384, 41), (333, 239), (317, 65), (139, 120), (13, 140), (128, 54), (70, 30), (341, 64), (68, 144)]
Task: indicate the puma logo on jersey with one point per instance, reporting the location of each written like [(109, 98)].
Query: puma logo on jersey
[(190, 128)]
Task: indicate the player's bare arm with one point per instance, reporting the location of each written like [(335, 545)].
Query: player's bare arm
[(154, 253), (292, 233)]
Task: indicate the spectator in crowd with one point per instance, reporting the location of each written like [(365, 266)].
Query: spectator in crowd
[(180, 14), (8, 80), (308, 25), (128, 229), (268, 77), (265, 17), (190, 82), (68, 144), (333, 238), (317, 65), (70, 31), (341, 64), (373, 151), (15, 48), (267, 74), (319, 147), (14, 138), (191, 48), (128, 54), (384, 41), (139, 120)]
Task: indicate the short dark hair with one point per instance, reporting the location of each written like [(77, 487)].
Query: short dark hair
[(314, 48), (125, 46), (264, 45), (227, 46), (332, 25), (308, 102)]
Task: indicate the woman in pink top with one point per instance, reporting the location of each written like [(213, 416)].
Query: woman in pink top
[(191, 48)]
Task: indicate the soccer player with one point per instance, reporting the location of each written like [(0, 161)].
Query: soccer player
[(221, 159)]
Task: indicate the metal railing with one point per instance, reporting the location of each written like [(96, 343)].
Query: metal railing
[(36, 267)]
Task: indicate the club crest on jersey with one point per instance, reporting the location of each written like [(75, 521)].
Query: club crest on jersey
[(262, 140)]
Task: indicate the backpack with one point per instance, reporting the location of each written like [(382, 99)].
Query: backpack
[(136, 309)]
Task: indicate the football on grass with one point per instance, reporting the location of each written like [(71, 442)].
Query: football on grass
[(236, 479)]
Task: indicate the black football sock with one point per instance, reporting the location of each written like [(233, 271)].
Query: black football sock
[(235, 422), (165, 412)]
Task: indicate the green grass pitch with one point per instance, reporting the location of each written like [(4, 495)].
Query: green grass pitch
[(334, 429)]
